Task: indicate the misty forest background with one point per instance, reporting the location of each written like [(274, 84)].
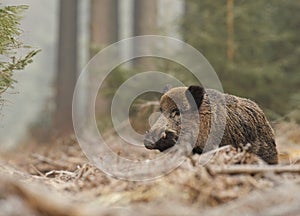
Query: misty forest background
[(254, 46)]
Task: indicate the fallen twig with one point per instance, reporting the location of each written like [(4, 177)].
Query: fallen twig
[(149, 103), (251, 169), (47, 160), (60, 172), (37, 170)]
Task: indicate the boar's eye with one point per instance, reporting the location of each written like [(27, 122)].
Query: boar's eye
[(160, 109), (175, 112)]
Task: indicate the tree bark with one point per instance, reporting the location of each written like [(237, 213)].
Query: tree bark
[(104, 30), (145, 14), (104, 24), (230, 30), (67, 66), (145, 23)]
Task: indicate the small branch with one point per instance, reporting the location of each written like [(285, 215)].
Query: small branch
[(252, 169), (48, 160), (37, 170), (149, 103), (60, 172)]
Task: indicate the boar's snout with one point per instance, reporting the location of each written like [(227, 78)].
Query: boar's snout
[(160, 139)]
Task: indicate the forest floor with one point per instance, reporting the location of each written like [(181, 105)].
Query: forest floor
[(58, 180)]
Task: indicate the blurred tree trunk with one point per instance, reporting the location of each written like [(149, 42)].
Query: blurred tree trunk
[(104, 30), (145, 23), (104, 24), (67, 66), (145, 14), (230, 30)]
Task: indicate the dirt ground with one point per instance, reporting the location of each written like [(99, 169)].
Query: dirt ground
[(57, 179)]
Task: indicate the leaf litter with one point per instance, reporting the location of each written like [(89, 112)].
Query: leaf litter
[(59, 180)]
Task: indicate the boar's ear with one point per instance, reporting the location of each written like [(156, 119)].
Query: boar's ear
[(167, 88), (195, 93)]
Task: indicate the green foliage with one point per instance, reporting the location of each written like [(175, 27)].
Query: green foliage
[(265, 66), (11, 46)]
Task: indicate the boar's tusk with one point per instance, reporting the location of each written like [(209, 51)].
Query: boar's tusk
[(171, 131), (164, 135)]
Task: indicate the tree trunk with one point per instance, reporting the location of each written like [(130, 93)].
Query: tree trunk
[(145, 23), (145, 14), (104, 24), (230, 30), (104, 27), (67, 66)]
